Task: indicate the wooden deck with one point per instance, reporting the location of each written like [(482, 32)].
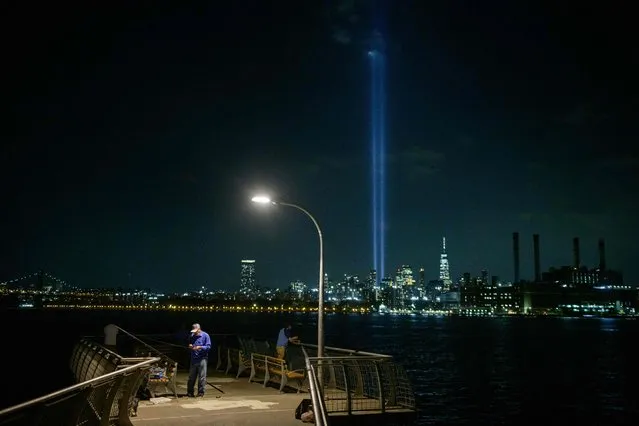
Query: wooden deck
[(242, 403)]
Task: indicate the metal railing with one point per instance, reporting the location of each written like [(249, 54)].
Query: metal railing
[(319, 406), (330, 351), (90, 360), (361, 382), (100, 401)]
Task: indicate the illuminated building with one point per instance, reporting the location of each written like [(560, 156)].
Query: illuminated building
[(444, 267), (298, 290), (247, 277)]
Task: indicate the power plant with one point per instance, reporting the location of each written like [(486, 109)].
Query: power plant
[(539, 276), (536, 257), (602, 255), (573, 288)]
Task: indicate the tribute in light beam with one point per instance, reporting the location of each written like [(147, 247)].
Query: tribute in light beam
[(378, 151)]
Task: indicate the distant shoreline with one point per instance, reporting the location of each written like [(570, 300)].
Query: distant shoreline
[(280, 310)]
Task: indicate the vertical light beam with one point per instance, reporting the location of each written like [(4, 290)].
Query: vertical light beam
[(378, 152), (374, 166), (382, 158)]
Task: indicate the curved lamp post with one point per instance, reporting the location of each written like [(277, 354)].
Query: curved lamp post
[(320, 284)]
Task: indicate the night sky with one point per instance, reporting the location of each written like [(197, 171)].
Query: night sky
[(135, 137)]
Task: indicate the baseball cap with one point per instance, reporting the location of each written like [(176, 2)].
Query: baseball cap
[(196, 327)]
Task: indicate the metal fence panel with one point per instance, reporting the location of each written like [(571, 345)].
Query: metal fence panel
[(102, 400), (363, 384)]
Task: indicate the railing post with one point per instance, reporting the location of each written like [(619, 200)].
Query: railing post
[(331, 373), (219, 356), (347, 389), (357, 372), (320, 376), (129, 392), (80, 405), (392, 379), (380, 386), (105, 412)]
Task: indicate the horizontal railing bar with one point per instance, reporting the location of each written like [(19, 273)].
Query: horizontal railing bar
[(173, 334), (309, 345), (135, 359), (78, 386), (360, 358), (349, 351), (161, 335)]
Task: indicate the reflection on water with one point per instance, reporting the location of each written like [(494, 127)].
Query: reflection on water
[(608, 324), (475, 371)]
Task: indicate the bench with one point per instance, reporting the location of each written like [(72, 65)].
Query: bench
[(164, 373), (270, 367), (247, 346), (167, 377)]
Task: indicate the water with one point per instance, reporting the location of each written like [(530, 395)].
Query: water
[(464, 371)]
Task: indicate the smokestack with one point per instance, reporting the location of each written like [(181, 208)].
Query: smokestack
[(602, 254), (576, 259), (536, 254), (516, 255)]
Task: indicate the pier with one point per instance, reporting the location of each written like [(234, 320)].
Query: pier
[(246, 385)]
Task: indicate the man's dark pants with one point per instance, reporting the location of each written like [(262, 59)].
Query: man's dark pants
[(197, 371)]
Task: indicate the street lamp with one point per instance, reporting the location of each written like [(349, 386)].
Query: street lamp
[(320, 284)]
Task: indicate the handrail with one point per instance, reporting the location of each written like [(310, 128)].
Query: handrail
[(165, 334), (347, 351), (316, 396), (151, 337), (135, 359), (78, 386), (366, 357)]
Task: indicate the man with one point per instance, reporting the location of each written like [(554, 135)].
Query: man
[(199, 345), (283, 339)]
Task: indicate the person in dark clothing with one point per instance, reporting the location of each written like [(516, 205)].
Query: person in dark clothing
[(285, 337), (199, 345)]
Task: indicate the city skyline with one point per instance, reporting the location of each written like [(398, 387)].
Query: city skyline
[(445, 274), (249, 280), (571, 290), (141, 136)]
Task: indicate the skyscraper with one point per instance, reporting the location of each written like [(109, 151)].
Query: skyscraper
[(444, 268), (247, 277), (421, 285), (405, 276)]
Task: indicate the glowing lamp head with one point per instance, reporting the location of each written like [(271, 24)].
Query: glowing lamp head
[(261, 199)]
